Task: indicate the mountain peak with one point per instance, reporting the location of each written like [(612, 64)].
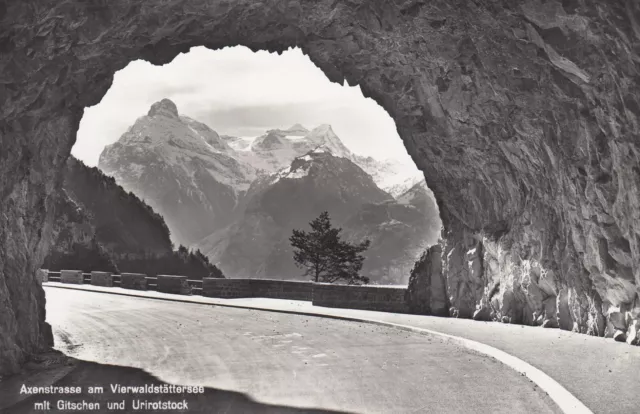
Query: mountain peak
[(165, 107), (323, 127), (321, 149), (297, 127)]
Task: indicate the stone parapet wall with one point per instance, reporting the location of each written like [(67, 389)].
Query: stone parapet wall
[(376, 298), (371, 297), (72, 276), (173, 284), (380, 298), (281, 289), (136, 281), (226, 288), (257, 288), (102, 279)]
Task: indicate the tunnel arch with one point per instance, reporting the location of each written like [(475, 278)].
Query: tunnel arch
[(523, 116)]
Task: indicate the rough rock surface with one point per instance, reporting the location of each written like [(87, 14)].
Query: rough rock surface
[(427, 292), (523, 114)]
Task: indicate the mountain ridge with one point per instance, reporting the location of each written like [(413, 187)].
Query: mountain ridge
[(256, 245), (221, 193)]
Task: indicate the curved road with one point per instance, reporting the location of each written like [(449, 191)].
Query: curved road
[(288, 360)]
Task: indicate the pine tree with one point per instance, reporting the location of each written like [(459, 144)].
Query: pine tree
[(324, 256)]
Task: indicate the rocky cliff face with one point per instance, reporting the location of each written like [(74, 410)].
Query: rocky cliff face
[(523, 114)]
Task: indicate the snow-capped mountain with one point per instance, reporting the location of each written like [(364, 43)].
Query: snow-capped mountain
[(257, 244), (182, 168), (277, 148), (296, 130), (237, 198), (391, 175)]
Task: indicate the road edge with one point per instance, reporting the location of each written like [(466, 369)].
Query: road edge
[(564, 399)]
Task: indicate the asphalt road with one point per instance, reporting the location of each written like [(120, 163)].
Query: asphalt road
[(287, 360)]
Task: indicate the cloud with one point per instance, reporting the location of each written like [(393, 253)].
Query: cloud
[(239, 92)]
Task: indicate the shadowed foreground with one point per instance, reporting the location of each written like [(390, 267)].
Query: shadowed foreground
[(278, 360), (92, 374)]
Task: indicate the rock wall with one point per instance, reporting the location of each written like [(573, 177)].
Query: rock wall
[(427, 293), (523, 114)]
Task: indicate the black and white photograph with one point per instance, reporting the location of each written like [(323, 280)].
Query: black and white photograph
[(320, 206)]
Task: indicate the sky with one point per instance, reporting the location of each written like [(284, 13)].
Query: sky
[(241, 93)]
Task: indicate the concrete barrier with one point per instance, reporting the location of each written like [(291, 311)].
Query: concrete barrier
[(72, 276), (376, 298), (42, 275), (173, 284), (102, 279), (136, 281)]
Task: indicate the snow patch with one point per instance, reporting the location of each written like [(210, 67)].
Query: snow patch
[(287, 173), (299, 173), (321, 150)]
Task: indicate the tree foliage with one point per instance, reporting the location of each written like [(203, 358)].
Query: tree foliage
[(100, 226), (87, 258), (324, 256), (123, 222), (183, 262)]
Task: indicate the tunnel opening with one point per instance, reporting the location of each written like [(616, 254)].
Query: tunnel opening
[(216, 143)]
